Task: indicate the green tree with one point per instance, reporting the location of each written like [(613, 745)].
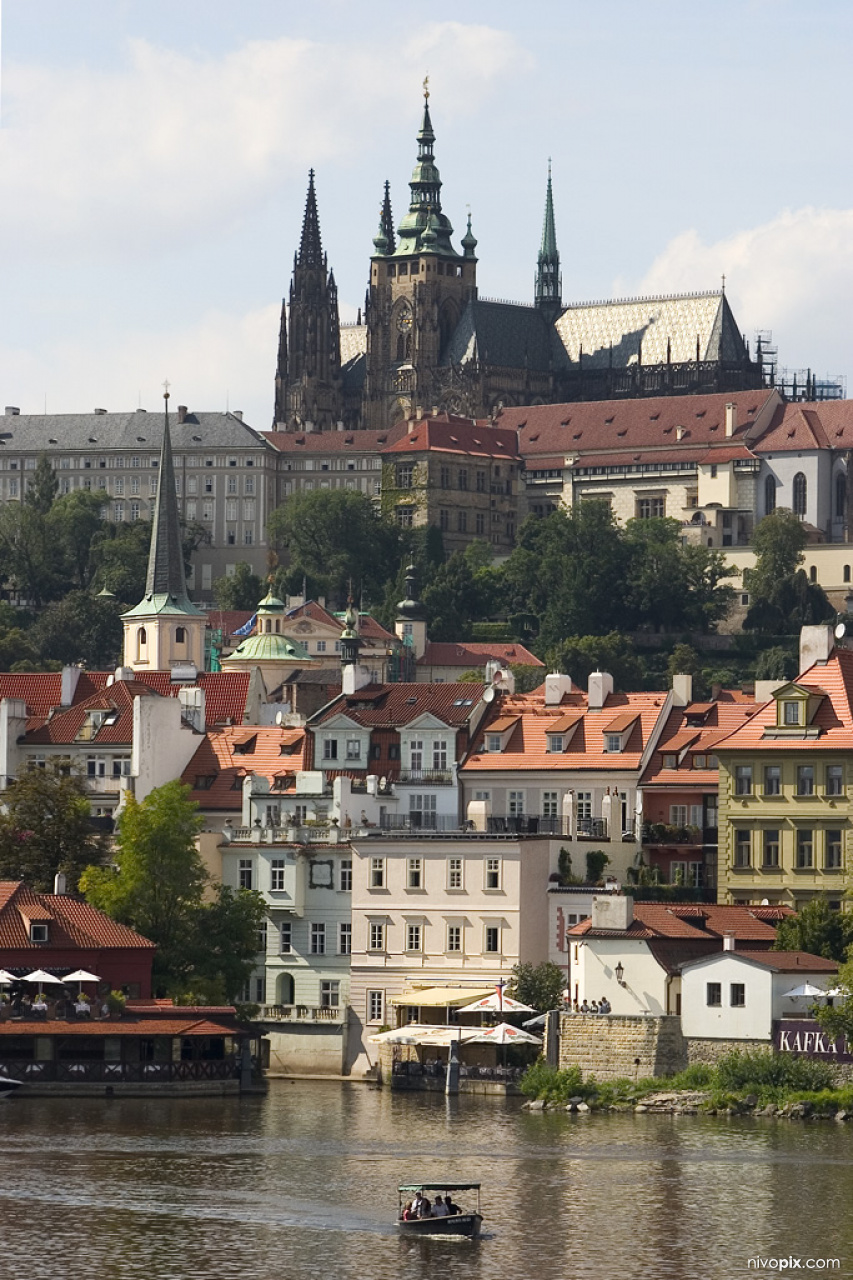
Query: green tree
[(816, 929), (43, 487), (80, 628), (47, 828), (540, 986), (778, 542), (226, 941), (837, 1019), (242, 590), (579, 656), (75, 521), (32, 558), (776, 663), (120, 554), (334, 536), (157, 878), (596, 861)]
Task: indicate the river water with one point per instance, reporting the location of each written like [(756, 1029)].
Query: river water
[(300, 1185)]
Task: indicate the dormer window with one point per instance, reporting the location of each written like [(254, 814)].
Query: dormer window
[(792, 712), (493, 741), (612, 742), (556, 743), (39, 933), (670, 761)]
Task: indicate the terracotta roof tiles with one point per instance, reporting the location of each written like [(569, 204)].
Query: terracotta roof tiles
[(472, 654), (73, 923)]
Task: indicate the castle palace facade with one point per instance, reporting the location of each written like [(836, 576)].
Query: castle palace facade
[(427, 340)]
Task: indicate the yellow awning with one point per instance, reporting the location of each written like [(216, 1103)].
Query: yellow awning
[(438, 997)]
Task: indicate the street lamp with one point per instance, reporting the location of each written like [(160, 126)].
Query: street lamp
[(620, 973)]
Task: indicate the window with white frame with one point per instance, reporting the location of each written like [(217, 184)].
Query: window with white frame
[(244, 873), (491, 939), (330, 994), (330, 749), (515, 803), (678, 815), (414, 873), (277, 875), (423, 811), (318, 939), (121, 766), (375, 1006), (556, 743), (612, 742), (260, 990), (353, 748), (454, 938), (492, 877), (454, 873), (494, 742), (413, 937), (377, 873), (416, 755), (262, 938), (584, 803), (439, 755), (376, 936), (345, 880), (550, 802), (483, 795), (285, 939), (345, 939)]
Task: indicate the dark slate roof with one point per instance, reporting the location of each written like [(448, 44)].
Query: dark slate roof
[(504, 335), (138, 431)]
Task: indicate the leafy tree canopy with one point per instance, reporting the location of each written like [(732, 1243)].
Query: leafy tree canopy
[(579, 656), (47, 828), (540, 986), (242, 590), (816, 929)]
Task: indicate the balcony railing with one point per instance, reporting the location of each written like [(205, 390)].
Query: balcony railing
[(427, 777), (420, 823), (669, 833), (513, 824), (300, 1013)]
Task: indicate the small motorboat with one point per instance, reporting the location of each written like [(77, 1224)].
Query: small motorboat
[(461, 1223), (7, 1085)]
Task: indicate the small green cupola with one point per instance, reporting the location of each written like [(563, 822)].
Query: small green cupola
[(469, 241), (350, 639), (411, 622)]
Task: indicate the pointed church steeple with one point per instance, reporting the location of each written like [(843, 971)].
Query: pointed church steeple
[(310, 246), (386, 220), (165, 627), (425, 198), (548, 281)]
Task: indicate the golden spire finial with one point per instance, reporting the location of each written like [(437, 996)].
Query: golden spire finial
[(426, 88), (166, 386)]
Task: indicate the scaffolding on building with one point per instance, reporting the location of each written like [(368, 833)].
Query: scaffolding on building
[(794, 384)]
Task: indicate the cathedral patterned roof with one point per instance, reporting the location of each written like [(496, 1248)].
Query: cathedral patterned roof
[(504, 335), (678, 322)]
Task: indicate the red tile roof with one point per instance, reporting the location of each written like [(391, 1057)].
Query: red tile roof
[(73, 923), (41, 690), (227, 755), (718, 720), (697, 921), (833, 718), (393, 705), (449, 434), (791, 961), (64, 727), (597, 427), (476, 654), (352, 442), (125, 1026)]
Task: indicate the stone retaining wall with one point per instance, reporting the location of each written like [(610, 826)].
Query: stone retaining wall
[(614, 1047)]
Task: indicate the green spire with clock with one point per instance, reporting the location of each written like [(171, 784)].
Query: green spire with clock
[(424, 218)]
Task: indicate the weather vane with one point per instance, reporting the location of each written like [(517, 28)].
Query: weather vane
[(166, 386), (426, 88)]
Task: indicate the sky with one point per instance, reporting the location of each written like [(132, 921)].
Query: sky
[(154, 159)]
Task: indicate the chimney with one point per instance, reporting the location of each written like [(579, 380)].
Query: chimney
[(12, 411), (238, 414), (728, 940), (70, 676), (59, 883), (435, 410), (816, 644), (731, 418), (100, 412), (682, 689), (556, 685), (612, 911), (182, 413), (680, 433), (411, 425), (599, 688)]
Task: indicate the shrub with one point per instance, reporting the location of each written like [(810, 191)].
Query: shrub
[(771, 1073)]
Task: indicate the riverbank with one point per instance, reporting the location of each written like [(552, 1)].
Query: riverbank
[(745, 1083)]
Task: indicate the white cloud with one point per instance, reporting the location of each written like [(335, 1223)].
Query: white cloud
[(155, 152), (793, 275)]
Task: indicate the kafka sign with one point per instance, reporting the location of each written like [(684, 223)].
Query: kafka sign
[(807, 1039)]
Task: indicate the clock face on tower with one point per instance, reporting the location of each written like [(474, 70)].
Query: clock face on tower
[(404, 320)]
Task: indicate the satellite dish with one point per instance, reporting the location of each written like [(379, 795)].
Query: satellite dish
[(841, 631), (489, 695)]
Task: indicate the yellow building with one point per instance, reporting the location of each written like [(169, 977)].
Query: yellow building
[(785, 787)]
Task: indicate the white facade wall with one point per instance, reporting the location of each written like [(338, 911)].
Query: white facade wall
[(645, 986), (764, 996), (162, 744)]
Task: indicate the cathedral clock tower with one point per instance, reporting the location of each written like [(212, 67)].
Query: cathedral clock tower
[(419, 287)]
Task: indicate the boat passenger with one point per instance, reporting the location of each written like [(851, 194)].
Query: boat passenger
[(452, 1209), (417, 1201), (439, 1209), (408, 1213), (425, 1210)]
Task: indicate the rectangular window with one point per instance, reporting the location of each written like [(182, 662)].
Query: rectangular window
[(515, 803), (834, 779), (231, 507), (743, 780), (494, 742), (118, 512), (231, 486), (249, 484), (454, 873), (832, 851), (613, 742), (492, 873), (444, 519), (118, 487), (416, 755), (549, 804), (678, 873), (285, 945), (737, 995), (345, 884), (377, 873), (805, 780), (556, 743), (405, 475), (330, 749), (770, 848), (481, 482), (260, 990), (245, 873), (463, 477), (491, 939), (353, 749), (277, 875), (405, 517), (743, 848), (121, 766), (375, 1005), (454, 937), (772, 780), (791, 713), (714, 994), (377, 936), (462, 521), (134, 510), (651, 508), (330, 994), (439, 755), (805, 849), (479, 523), (678, 815), (696, 875), (414, 873), (262, 938), (318, 939), (444, 477), (413, 937), (422, 811)]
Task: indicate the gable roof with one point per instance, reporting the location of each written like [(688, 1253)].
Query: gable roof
[(717, 719), (229, 754), (471, 654), (42, 690), (451, 434), (833, 718), (782, 961), (694, 921), (72, 923), (391, 706), (334, 442), (651, 330), (137, 432), (505, 335)]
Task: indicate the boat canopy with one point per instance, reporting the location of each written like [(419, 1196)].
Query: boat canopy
[(440, 1186)]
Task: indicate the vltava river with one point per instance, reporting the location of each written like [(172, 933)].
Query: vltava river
[(300, 1185)]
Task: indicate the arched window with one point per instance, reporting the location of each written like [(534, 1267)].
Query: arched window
[(812, 573), (269, 625), (799, 494), (840, 495), (180, 635), (141, 642), (769, 495), (847, 573)]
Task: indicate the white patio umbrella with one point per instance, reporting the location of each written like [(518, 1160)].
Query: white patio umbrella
[(805, 990), (503, 1033), (410, 1034), (494, 1003), (835, 992), (81, 976), (39, 976), (6, 978)]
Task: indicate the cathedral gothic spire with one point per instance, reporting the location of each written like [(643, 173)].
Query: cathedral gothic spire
[(548, 281)]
